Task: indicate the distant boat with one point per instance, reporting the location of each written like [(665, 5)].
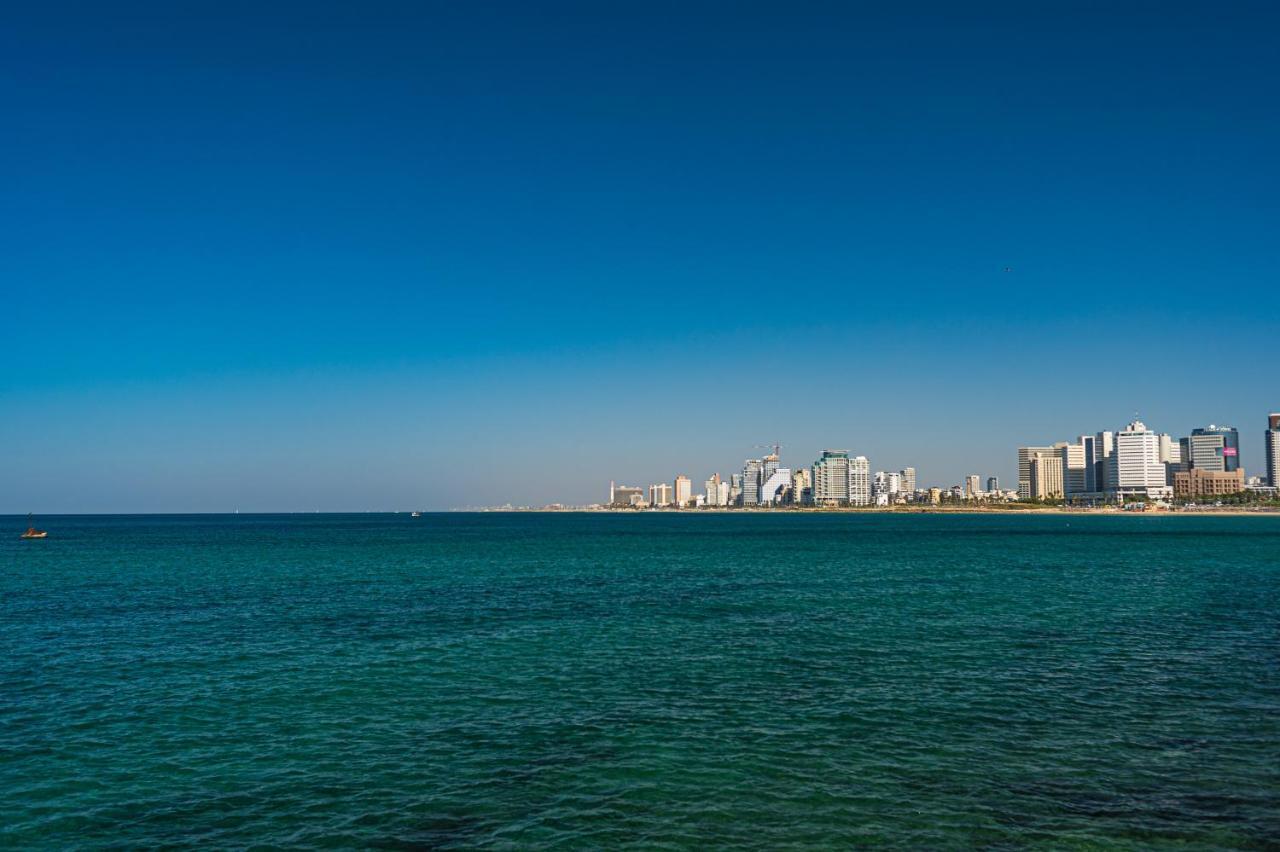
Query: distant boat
[(416, 515), (32, 532)]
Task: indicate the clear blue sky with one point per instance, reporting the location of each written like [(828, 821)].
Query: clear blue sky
[(349, 256)]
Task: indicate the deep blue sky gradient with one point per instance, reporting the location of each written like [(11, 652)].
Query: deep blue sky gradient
[(313, 256)]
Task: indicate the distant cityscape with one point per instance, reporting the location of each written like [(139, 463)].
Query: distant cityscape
[(1133, 464)]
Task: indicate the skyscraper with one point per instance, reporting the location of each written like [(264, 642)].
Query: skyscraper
[(684, 491), (624, 495), (1102, 460), (752, 479), (1025, 454), (993, 484), (831, 478), (1046, 474), (1086, 443), (1273, 450), (1138, 469), (712, 488), (972, 486), (769, 466), (1215, 448), (660, 494), (1074, 472), (859, 481), (909, 480), (776, 488), (1171, 457), (801, 487)]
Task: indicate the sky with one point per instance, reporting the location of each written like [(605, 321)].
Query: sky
[(341, 257)]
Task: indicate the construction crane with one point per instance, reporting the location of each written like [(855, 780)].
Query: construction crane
[(776, 446)]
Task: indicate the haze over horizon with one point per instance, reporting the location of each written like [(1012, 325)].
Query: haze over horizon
[(408, 256)]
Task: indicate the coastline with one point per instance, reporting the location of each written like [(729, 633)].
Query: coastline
[(920, 510)]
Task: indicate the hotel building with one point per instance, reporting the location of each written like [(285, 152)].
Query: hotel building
[(1198, 482), (684, 491)]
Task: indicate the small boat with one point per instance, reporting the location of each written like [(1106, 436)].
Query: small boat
[(416, 515), (32, 532)]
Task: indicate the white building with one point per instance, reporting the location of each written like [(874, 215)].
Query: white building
[(1075, 479), (724, 496), (776, 487), (973, 486), (831, 478), (909, 480), (660, 494), (712, 490), (1171, 458), (859, 481), (885, 487), (1138, 469)]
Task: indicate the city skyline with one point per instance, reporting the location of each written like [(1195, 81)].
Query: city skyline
[(1134, 462), (314, 257)]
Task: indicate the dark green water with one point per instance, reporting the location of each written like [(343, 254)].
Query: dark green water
[(657, 681)]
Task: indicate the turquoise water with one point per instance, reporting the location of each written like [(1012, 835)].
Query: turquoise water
[(594, 681)]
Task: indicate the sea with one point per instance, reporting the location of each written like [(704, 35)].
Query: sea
[(648, 680)]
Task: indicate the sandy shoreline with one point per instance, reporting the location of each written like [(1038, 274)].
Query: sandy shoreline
[(930, 510)]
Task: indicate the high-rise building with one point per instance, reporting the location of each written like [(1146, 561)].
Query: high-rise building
[(723, 497), (769, 466), (885, 487), (993, 484), (801, 487), (1273, 450), (860, 481), (735, 489), (831, 478), (1086, 443), (1214, 448), (1046, 474), (777, 488), (712, 489), (1103, 461), (1138, 469), (660, 494), (752, 479), (1074, 469), (1171, 457), (972, 486), (909, 480), (1025, 454), (624, 495), (684, 491)]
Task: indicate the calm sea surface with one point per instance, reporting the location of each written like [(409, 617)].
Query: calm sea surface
[(594, 681)]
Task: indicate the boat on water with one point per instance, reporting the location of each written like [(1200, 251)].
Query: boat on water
[(32, 532), (416, 515)]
